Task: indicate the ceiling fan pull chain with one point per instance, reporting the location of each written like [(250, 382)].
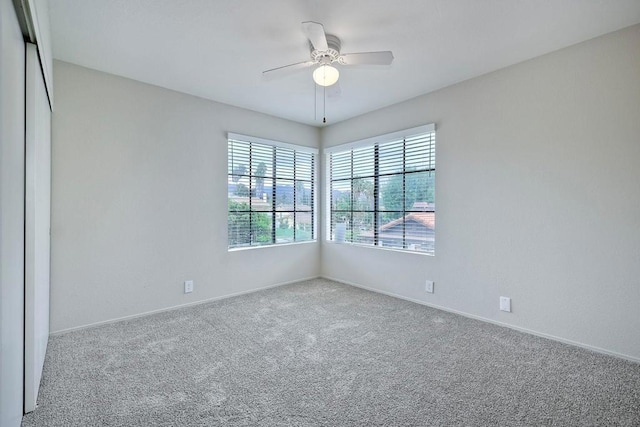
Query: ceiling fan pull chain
[(324, 104)]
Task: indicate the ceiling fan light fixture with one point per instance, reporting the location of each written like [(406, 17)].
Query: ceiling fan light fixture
[(326, 75)]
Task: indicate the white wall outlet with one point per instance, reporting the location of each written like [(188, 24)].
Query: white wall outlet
[(505, 304), (428, 286), (188, 286)]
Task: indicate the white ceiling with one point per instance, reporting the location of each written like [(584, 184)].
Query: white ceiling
[(217, 49)]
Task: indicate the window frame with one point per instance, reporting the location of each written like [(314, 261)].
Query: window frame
[(405, 134), (232, 136)]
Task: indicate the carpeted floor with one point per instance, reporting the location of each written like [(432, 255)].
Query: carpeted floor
[(319, 353)]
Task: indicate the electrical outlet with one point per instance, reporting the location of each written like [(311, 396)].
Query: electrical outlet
[(188, 286), (505, 304), (428, 286)]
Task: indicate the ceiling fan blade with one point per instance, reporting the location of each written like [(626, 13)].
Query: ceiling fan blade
[(315, 34), (274, 73), (367, 58)]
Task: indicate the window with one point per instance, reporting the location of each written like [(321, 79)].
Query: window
[(270, 189), (382, 191)]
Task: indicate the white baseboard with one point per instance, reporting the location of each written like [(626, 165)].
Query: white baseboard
[(484, 319), (177, 307)]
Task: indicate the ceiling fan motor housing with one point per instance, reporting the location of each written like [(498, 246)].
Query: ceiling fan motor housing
[(327, 56)]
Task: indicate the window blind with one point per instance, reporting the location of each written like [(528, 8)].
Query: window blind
[(271, 193), (383, 193)]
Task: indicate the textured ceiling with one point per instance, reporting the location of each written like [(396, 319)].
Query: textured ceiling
[(217, 49)]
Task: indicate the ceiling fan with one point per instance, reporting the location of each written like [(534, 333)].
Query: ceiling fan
[(325, 53)]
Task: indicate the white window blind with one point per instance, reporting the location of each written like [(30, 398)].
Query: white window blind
[(271, 192), (382, 191)]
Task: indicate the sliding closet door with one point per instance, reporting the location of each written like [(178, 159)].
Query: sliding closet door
[(37, 225)]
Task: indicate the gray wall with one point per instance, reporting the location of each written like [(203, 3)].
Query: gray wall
[(537, 196), (12, 77), (139, 200)]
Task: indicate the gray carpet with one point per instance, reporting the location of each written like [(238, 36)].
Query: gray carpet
[(319, 353)]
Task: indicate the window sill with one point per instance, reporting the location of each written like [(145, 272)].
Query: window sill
[(277, 245), (382, 248)]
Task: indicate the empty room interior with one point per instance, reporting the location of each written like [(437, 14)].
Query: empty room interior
[(319, 213)]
